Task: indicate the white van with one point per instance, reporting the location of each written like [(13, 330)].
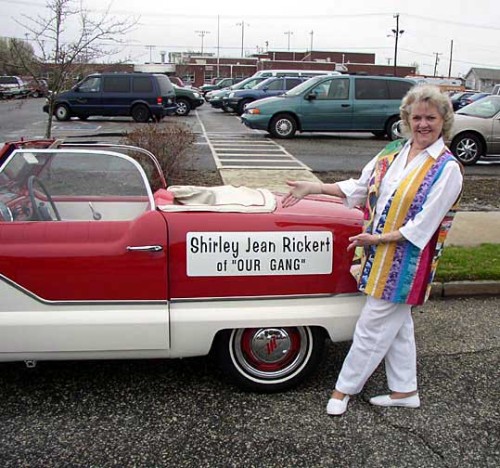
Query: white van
[(13, 86), (310, 73)]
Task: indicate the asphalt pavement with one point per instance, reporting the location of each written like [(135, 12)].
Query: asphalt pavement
[(183, 413)]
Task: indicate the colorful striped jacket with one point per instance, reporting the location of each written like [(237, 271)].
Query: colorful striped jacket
[(400, 271)]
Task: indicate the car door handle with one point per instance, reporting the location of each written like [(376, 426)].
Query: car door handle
[(345, 105), (145, 248)]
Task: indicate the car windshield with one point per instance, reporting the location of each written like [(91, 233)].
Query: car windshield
[(75, 172), (265, 83), (247, 84), (303, 86), (485, 108)]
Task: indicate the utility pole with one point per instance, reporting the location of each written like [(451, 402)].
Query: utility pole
[(202, 34), (451, 58), (311, 34), (242, 24), (437, 54), (288, 33), (218, 44), (397, 32)]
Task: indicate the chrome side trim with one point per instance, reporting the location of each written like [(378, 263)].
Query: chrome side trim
[(179, 300), (41, 300)]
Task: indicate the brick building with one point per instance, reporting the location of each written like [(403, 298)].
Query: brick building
[(198, 69)]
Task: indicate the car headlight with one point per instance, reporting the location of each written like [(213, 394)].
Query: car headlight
[(197, 95), (231, 95), (254, 111)]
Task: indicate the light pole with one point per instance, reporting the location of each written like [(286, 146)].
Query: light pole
[(242, 24), (202, 34), (312, 35), (150, 47), (288, 33), (397, 32)]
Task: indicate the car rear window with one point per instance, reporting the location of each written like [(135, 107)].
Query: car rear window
[(142, 84), (165, 85), (5, 80)]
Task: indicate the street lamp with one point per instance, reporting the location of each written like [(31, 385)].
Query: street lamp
[(288, 33), (202, 34), (242, 24), (396, 32)]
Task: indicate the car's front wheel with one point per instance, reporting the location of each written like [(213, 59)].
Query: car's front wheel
[(62, 112), (241, 105), (270, 359), (183, 107), (140, 113), (283, 126), (467, 148)]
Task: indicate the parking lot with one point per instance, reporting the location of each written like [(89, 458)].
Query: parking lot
[(221, 139), (185, 413)]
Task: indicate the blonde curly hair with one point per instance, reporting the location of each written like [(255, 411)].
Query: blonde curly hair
[(431, 95)]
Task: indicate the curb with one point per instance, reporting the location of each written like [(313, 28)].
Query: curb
[(465, 288)]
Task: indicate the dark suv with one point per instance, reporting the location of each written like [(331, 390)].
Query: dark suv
[(143, 96), (237, 100)]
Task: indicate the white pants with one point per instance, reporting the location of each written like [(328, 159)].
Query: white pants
[(384, 330)]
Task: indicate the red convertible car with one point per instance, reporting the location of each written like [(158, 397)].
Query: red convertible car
[(95, 264)]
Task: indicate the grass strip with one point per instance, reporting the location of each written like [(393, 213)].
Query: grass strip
[(469, 263)]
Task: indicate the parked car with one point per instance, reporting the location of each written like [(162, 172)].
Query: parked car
[(95, 265), (476, 130), (216, 97), (223, 83), (13, 87), (142, 96), (186, 100), (458, 98), (294, 72), (38, 88), (475, 97), (237, 100), (345, 103)]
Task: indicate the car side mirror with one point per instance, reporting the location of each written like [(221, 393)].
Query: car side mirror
[(265, 88), (311, 96)]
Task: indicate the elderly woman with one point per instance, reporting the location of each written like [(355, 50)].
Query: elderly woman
[(409, 192)]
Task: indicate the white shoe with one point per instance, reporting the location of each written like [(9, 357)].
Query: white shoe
[(337, 407), (386, 400)]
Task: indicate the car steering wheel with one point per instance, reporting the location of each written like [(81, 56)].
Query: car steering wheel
[(41, 212)]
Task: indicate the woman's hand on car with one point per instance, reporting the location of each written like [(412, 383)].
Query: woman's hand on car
[(300, 188)]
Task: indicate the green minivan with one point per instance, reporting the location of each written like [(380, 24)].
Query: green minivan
[(345, 103)]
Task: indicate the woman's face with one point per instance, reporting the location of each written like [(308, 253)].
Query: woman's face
[(426, 124)]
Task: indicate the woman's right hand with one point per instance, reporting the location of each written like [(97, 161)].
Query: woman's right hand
[(300, 188)]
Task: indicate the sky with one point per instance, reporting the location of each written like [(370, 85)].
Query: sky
[(435, 33)]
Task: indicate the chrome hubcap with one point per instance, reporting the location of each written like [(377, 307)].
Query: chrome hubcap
[(467, 149), (270, 353), (283, 126)]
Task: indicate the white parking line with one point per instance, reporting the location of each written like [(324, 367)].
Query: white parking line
[(232, 150)]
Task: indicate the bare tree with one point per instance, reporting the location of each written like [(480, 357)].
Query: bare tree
[(69, 52)]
